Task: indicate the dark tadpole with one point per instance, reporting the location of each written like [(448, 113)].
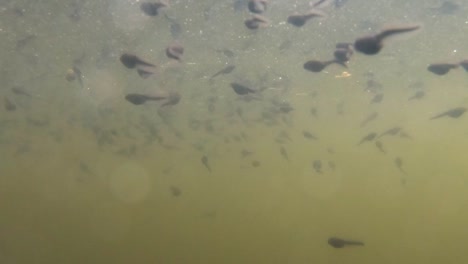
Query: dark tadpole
[(300, 20), (205, 162), (175, 51), (441, 68), (371, 45), (340, 243), (144, 69), (241, 89), (226, 70), (453, 113), (318, 66), (368, 137), (257, 6), (152, 8), (256, 21), (131, 61), (139, 99), (417, 95), (168, 98)]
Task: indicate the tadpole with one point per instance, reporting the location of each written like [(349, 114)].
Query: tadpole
[(417, 95), (299, 20), (441, 68), (318, 66), (371, 45), (175, 51), (256, 21), (340, 243), (139, 99), (241, 89), (257, 6), (152, 8), (131, 61), (453, 113)]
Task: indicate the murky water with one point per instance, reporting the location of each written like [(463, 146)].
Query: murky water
[(87, 177)]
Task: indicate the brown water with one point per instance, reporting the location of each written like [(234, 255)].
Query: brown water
[(86, 177)]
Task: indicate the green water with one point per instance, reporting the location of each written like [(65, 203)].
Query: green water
[(87, 177)]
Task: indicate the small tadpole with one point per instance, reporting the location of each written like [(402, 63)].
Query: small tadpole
[(416, 96), (369, 137), (317, 165), (399, 164), (257, 6), (152, 8), (241, 89), (205, 162), (299, 20), (318, 66), (175, 51), (175, 191), (341, 243), (284, 153), (256, 22)]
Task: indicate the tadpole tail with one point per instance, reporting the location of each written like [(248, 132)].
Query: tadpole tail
[(397, 30), (438, 116), (354, 243)]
